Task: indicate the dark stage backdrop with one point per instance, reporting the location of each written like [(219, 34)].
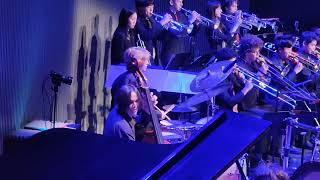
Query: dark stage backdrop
[(289, 11), (72, 37)]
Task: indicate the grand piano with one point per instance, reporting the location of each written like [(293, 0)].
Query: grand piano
[(71, 154)]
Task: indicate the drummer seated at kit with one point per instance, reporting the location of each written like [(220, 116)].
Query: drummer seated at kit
[(121, 120)]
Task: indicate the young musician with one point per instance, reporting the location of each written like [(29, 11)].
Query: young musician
[(142, 58), (179, 41), (232, 98), (121, 120), (249, 52), (149, 29), (309, 44), (218, 35), (233, 22), (128, 77), (124, 37)]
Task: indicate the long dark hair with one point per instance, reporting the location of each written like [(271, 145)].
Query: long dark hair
[(124, 97), (124, 17), (211, 9)]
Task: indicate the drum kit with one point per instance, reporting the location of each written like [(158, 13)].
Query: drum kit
[(207, 84)]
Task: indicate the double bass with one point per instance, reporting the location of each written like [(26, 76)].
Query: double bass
[(133, 67)]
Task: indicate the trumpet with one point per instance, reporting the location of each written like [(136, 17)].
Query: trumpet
[(205, 21), (267, 88), (307, 63), (175, 25), (250, 20), (140, 43), (244, 24)]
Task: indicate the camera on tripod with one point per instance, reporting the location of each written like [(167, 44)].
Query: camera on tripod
[(57, 78)]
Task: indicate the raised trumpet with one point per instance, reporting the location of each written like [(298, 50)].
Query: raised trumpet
[(176, 25), (244, 24), (205, 21)]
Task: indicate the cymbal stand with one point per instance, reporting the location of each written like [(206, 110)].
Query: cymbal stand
[(213, 106)]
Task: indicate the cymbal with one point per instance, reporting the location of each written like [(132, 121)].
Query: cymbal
[(205, 95), (179, 109), (211, 76)]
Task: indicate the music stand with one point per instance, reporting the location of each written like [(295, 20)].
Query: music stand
[(178, 61)]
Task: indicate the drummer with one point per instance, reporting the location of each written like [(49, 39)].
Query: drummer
[(232, 98)]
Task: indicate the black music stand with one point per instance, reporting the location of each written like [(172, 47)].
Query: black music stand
[(178, 61)]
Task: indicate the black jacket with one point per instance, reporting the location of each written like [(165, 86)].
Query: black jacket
[(122, 40)]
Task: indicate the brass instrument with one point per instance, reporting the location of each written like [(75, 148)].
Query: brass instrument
[(205, 21), (250, 20), (278, 74), (140, 43), (316, 52), (244, 24), (267, 88), (173, 24), (308, 63)]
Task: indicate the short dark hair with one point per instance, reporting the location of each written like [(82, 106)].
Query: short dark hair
[(283, 41), (211, 8), (309, 36), (248, 42), (123, 97), (144, 3), (227, 3), (226, 54), (124, 17)]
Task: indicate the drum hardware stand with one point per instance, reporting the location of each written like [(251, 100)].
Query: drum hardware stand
[(309, 109), (316, 151), (290, 122), (286, 149), (213, 106)]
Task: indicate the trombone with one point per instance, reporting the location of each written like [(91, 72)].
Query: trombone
[(267, 88), (279, 74), (308, 63), (316, 52)]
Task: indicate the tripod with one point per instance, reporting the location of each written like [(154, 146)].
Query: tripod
[(56, 83)]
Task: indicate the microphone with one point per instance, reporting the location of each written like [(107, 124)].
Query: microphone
[(303, 83), (227, 68)]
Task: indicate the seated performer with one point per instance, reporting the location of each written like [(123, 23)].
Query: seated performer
[(142, 56), (121, 120), (249, 52), (309, 43), (149, 29), (283, 61), (231, 98), (124, 37), (176, 41), (218, 35), (128, 77)]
